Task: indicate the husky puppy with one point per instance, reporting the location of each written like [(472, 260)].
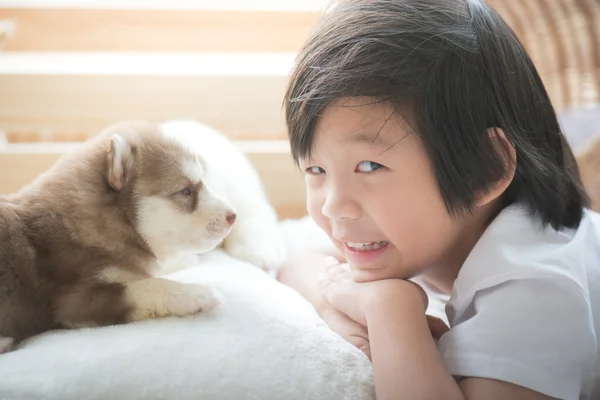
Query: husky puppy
[(83, 244)]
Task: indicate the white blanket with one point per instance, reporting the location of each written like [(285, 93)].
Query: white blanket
[(265, 342)]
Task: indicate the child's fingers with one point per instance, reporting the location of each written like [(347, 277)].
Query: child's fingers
[(336, 272), (339, 272), (334, 269), (324, 279), (331, 261), (349, 329)]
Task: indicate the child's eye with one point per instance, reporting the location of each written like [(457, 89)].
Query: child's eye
[(368, 166), (315, 170)]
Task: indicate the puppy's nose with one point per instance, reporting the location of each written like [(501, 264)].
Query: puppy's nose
[(231, 218)]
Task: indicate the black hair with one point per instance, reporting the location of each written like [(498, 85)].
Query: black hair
[(455, 69)]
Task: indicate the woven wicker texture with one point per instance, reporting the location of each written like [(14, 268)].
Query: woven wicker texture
[(563, 38)]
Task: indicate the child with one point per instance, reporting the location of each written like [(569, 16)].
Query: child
[(432, 152)]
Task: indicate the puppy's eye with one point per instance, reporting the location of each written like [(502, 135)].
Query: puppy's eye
[(186, 191)]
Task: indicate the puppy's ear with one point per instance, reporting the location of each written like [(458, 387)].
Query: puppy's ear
[(120, 162)]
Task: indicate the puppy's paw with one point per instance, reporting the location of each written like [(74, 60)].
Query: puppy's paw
[(192, 299), (157, 298), (6, 344), (265, 251)]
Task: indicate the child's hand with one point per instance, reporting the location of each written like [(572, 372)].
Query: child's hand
[(353, 298), (346, 327), (301, 274)]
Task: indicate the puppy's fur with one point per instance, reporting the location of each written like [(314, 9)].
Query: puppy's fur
[(80, 245), (255, 237), (589, 167)]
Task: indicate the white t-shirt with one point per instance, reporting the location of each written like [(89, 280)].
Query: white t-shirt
[(525, 307)]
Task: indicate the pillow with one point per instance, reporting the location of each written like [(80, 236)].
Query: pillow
[(264, 342)]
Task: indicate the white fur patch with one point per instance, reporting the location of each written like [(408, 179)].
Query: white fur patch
[(255, 236), (158, 297), (192, 170), (169, 231), (121, 163)]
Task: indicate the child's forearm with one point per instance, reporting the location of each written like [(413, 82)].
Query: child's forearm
[(406, 361)]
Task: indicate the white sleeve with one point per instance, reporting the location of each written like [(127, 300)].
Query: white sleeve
[(535, 333)]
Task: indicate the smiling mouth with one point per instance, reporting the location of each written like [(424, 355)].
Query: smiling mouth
[(366, 246)]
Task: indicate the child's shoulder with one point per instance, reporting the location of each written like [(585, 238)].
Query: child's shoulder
[(524, 292), (517, 246)]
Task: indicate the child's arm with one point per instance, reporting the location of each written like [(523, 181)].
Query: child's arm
[(406, 360)]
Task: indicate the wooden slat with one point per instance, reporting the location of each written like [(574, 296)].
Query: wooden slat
[(42, 99), (240, 96), (223, 5), (158, 30), (284, 183)]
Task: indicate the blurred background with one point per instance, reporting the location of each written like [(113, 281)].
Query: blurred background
[(70, 67)]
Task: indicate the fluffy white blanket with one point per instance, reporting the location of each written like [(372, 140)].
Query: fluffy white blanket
[(264, 342)]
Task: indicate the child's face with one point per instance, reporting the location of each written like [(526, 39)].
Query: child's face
[(380, 191)]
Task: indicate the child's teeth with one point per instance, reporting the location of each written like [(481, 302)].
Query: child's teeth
[(364, 246)]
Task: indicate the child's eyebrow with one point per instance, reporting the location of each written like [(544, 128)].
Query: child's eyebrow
[(371, 138)]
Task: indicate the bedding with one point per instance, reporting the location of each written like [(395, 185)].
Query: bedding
[(264, 342)]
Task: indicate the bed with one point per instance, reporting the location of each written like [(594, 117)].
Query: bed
[(264, 342)]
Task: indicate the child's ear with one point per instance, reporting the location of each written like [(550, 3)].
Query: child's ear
[(120, 162), (505, 149)]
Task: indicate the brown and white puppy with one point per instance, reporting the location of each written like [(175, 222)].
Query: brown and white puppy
[(78, 246)]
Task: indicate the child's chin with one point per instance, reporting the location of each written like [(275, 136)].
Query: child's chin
[(367, 274), (360, 275)]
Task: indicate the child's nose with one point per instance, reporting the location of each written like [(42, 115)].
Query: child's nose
[(340, 206)]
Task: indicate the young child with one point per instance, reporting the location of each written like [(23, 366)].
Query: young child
[(432, 153)]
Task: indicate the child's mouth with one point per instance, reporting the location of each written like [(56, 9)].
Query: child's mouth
[(363, 247), (366, 255)]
